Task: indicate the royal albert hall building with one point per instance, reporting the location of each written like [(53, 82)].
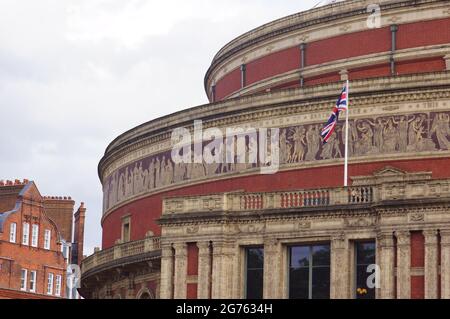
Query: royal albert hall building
[(224, 230)]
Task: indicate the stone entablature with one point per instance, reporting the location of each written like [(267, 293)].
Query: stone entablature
[(409, 125), (393, 205)]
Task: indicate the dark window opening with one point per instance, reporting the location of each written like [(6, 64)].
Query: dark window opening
[(365, 256), (254, 273), (309, 272)]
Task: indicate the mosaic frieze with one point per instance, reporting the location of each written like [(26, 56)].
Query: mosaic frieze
[(387, 135)]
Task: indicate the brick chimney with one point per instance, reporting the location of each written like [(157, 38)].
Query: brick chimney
[(77, 245)]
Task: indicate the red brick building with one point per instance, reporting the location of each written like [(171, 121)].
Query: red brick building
[(36, 242)]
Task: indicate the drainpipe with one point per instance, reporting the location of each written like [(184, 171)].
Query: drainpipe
[(243, 77), (302, 62), (394, 29)]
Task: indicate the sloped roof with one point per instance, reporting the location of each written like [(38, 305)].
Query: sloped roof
[(21, 190)]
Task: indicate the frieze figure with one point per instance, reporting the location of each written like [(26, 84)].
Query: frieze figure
[(441, 128), (179, 172), (390, 137), (416, 132), (298, 136), (403, 125), (168, 172), (313, 142), (151, 174), (332, 148), (157, 173), (283, 146), (364, 144), (378, 127), (252, 152)]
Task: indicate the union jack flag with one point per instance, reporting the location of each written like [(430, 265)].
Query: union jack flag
[(341, 105), (329, 128), (342, 102)]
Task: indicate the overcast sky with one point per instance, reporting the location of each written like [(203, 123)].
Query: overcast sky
[(74, 74)]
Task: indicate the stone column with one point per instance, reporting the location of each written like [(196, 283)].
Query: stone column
[(431, 264), (180, 287), (386, 255), (272, 260), (340, 280), (403, 265), (166, 288), (445, 263), (204, 270), (222, 271)]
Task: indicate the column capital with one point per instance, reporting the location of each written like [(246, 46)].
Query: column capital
[(203, 245), (403, 237), (431, 236), (386, 239), (180, 249), (445, 237), (271, 246), (339, 240)]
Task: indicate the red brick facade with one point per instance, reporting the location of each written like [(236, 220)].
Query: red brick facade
[(32, 264), (363, 43)]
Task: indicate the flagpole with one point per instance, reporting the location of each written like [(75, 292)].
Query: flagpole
[(346, 138)]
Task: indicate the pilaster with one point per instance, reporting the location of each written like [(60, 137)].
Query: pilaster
[(204, 270), (180, 287), (386, 250), (403, 265)]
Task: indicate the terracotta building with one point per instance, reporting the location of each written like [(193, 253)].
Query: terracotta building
[(224, 230), (36, 242)]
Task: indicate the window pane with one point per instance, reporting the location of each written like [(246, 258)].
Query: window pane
[(309, 274), (255, 284), (255, 273), (255, 258), (365, 253), (300, 256), (321, 255), (321, 283), (299, 283)]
